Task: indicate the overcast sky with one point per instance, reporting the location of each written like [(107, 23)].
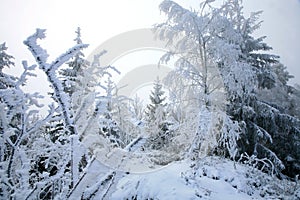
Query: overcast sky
[(100, 20)]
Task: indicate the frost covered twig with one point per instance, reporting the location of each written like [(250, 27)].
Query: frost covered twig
[(264, 164), (41, 56)]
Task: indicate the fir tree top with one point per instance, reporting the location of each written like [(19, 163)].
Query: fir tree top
[(157, 99)]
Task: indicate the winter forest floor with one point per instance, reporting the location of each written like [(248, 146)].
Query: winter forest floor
[(215, 178)]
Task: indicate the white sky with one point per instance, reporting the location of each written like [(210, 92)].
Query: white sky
[(100, 20)]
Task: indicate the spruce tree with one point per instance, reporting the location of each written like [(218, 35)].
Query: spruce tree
[(156, 118), (268, 125), (108, 125), (5, 61), (75, 70)]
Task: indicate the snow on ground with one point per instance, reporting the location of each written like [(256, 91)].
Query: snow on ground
[(216, 178), (96, 171)]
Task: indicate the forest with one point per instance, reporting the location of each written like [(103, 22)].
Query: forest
[(225, 120)]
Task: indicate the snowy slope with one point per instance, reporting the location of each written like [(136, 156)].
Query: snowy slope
[(216, 178)]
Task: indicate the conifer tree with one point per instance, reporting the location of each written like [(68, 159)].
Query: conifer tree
[(156, 118), (5, 61), (262, 116), (75, 70), (157, 100), (108, 125)]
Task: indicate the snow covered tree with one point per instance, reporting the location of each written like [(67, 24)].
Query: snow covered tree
[(78, 83), (127, 121), (156, 118), (58, 169), (108, 125), (5, 61), (280, 101), (116, 120), (294, 108), (137, 109), (79, 80), (50, 70), (157, 99), (19, 122), (262, 116), (10, 118), (243, 102), (261, 132), (202, 40), (72, 75), (218, 40), (72, 157)]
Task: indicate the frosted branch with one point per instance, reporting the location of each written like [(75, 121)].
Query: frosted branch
[(66, 56), (37, 51)]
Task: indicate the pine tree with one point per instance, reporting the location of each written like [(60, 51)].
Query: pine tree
[(108, 125), (262, 134), (156, 118), (5, 61), (282, 102), (294, 108), (72, 75), (157, 100)]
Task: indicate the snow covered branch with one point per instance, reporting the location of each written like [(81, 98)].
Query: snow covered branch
[(37, 51), (41, 56)]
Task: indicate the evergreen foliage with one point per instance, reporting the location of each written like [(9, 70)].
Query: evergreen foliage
[(156, 118)]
